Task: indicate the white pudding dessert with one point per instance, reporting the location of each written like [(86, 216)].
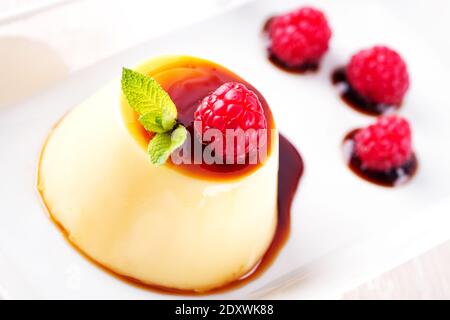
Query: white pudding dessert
[(176, 227)]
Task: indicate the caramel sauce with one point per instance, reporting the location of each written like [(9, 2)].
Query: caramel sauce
[(391, 178), (354, 100)]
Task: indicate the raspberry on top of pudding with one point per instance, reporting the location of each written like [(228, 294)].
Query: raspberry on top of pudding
[(232, 109)]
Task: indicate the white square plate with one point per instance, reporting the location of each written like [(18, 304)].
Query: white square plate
[(344, 230)]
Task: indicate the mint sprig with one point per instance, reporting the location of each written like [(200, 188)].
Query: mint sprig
[(147, 98), (157, 113)]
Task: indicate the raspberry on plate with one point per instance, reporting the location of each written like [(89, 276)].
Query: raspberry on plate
[(385, 145), (379, 75), (231, 106), (299, 38)]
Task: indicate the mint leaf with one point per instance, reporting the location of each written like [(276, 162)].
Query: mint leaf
[(157, 111), (159, 148), (163, 144), (152, 123)]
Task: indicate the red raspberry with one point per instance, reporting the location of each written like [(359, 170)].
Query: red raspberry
[(384, 145), (299, 37), (379, 75), (231, 106)]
